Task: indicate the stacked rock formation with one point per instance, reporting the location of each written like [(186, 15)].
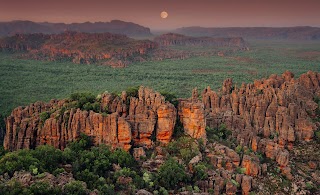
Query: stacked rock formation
[(132, 121), (192, 116), (269, 115)]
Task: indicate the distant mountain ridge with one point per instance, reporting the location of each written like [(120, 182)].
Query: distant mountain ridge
[(111, 49), (179, 39), (81, 48), (114, 26), (290, 33)]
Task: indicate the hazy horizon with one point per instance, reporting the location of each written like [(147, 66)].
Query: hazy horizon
[(182, 13)]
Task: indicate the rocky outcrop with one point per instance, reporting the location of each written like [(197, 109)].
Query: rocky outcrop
[(192, 116), (80, 48), (278, 107), (269, 115), (131, 121)]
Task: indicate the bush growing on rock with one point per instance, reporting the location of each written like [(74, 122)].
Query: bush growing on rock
[(185, 147), (218, 134), (200, 172), (44, 116), (170, 97), (132, 91), (85, 101)]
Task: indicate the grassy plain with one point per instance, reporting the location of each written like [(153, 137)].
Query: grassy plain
[(26, 81)]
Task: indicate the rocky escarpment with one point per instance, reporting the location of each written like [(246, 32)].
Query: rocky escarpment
[(80, 48), (182, 40), (270, 120), (131, 121), (272, 123), (279, 107), (268, 116), (114, 50)]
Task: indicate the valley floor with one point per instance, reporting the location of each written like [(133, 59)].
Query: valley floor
[(26, 81)]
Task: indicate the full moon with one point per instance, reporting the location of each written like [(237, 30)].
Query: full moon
[(164, 14)]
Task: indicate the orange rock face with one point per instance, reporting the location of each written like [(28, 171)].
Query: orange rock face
[(193, 119), (167, 115), (269, 115), (125, 126), (251, 165)]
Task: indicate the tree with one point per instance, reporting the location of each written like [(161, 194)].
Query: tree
[(43, 188), (200, 172), (48, 156), (75, 188), (17, 161), (123, 158), (171, 173)]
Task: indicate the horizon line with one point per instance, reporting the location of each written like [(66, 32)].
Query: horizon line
[(161, 29)]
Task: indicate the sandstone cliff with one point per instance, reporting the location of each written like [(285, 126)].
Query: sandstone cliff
[(268, 116), (132, 121), (80, 48), (272, 123)]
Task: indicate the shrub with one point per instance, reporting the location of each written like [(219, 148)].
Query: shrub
[(235, 183), (163, 191), (75, 188), (171, 173), (58, 171), (240, 170), (133, 91), (84, 142), (185, 147), (137, 181), (48, 156), (83, 100), (200, 172), (239, 149), (40, 188), (17, 161), (170, 97), (123, 158), (106, 189), (219, 134), (13, 188), (44, 116)]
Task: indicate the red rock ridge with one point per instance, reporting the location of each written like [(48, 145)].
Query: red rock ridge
[(80, 48), (127, 125)]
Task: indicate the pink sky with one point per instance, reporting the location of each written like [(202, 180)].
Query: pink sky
[(207, 13)]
